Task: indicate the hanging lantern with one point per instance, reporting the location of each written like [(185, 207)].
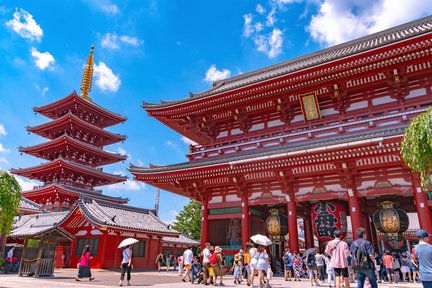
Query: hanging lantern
[(328, 217), (277, 225), (390, 221)]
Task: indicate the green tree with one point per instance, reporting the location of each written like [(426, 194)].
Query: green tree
[(188, 221), (10, 195), (416, 148)]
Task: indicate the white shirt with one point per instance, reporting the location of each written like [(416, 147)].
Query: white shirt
[(10, 253), (127, 254), (262, 260), (206, 255), (187, 257)]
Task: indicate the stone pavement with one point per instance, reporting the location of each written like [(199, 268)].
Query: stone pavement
[(106, 278)]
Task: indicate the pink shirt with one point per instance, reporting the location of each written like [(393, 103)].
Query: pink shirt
[(339, 254), (85, 259)]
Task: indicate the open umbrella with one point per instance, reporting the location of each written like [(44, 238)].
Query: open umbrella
[(310, 251), (127, 242), (261, 240)]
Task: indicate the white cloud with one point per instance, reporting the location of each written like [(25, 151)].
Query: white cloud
[(129, 185), (104, 6), (270, 44), (4, 160), (43, 60), (24, 24), (113, 41), (338, 21), (106, 80), (171, 144), (3, 149), (271, 18), (248, 29), (188, 141), (260, 9), (140, 163), (25, 184), (42, 91), (169, 217), (213, 74), (122, 151), (3, 131)]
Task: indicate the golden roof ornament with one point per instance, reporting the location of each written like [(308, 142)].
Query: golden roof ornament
[(87, 77)]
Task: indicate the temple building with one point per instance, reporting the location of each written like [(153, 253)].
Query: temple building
[(315, 140), (67, 212)]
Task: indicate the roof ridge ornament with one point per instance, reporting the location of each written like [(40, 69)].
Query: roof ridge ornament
[(87, 77)]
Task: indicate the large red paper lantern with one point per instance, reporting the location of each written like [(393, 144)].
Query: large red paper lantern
[(328, 217)]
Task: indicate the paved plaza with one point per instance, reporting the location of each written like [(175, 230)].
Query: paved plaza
[(106, 278)]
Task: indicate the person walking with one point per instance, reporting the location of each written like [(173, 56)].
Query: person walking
[(262, 266), (9, 262), (84, 265), (363, 257), (405, 268), (330, 271), (389, 264), (206, 262), (126, 265), (423, 252), (246, 261), (168, 262), (237, 264), (297, 266), (319, 260), (187, 263), (414, 267), (159, 261), (339, 252), (312, 269), (217, 268), (288, 264)]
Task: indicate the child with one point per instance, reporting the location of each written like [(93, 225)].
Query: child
[(196, 270), (330, 271), (237, 268)]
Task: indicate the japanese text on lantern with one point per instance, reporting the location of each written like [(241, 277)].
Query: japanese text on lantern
[(309, 105)]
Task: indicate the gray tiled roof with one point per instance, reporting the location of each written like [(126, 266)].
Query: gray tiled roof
[(37, 224), (271, 151), (182, 239), (373, 41), (27, 204), (123, 216)]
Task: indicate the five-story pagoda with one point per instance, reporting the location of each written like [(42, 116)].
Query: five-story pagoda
[(74, 150)]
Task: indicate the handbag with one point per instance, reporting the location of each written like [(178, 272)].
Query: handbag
[(78, 264)]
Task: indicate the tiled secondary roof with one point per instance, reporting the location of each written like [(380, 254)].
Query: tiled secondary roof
[(370, 42), (26, 204), (38, 224), (182, 239), (271, 151), (122, 216)]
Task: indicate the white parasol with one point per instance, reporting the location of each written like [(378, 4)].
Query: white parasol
[(261, 240), (127, 242)]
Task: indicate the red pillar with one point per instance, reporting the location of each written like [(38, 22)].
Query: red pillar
[(245, 220), (309, 240), (116, 254), (204, 224), (366, 225), (104, 244), (421, 202), (292, 224), (150, 260), (355, 212), (374, 235)]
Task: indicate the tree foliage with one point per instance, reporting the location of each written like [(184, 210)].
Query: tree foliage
[(416, 148), (10, 195), (188, 221)]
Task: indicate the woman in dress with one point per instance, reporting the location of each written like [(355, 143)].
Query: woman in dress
[(84, 265), (405, 267), (237, 268), (262, 265), (126, 265), (297, 264), (159, 261), (253, 264), (414, 268), (217, 269), (168, 262)]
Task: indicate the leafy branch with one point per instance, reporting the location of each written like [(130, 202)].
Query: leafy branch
[(10, 195)]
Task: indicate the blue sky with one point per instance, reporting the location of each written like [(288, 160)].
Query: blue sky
[(158, 50)]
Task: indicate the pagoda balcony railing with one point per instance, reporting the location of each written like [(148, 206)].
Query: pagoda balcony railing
[(70, 184), (353, 125)]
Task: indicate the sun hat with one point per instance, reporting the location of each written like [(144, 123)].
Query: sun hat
[(217, 249), (237, 257)]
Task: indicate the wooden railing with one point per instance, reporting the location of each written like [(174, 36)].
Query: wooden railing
[(46, 267), (37, 267), (28, 267)]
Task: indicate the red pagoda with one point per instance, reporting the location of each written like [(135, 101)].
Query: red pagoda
[(315, 138), (74, 150)]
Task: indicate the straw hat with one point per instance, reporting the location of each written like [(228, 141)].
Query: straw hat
[(237, 257), (217, 249)]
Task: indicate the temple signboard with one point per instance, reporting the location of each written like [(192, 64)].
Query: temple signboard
[(309, 105)]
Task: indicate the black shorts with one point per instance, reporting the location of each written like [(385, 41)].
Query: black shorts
[(341, 272)]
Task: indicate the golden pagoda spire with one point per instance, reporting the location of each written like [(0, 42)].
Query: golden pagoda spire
[(87, 77)]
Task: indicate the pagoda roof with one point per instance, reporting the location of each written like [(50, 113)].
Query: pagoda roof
[(75, 102), (61, 141), (182, 239), (123, 217), (367, 43), (70, 118), (80, 192), (26, 205), (270, 153), (60, 163), (39, 224)]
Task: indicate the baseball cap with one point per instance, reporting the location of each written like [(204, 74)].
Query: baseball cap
[(422, 233)]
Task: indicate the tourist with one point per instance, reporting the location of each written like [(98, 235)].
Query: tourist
[(246, 262), (175, 265), (319, 260), (312, 269), (180, 265), (237, 268), (84, 265), (389, 265), (288, 264), (197, 273), (253, 264), (187, 262), (396, 267), (330, 271), (414, 267), (168, 262), (216, 261), (126, 265), (339, 252), (206, 262), (351, 273), (363, 257), (159, 261), (405, 267), (297, 263), (9, 260), (262, 265), (423, 252)]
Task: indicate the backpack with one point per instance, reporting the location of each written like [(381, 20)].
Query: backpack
[(310, 262), (360, 259), (287, 259), (213, 261)]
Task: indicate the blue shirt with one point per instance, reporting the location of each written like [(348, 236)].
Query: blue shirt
[(424, 255), (367, 246)]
